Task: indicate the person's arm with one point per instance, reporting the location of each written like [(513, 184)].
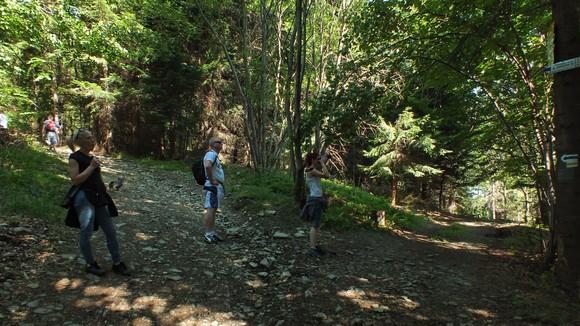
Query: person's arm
[(317, 173), (73, 170), (208, 165)]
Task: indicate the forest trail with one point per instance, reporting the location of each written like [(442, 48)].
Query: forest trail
[(254, 277)]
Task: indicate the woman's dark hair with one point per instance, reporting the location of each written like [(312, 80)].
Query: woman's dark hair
[(310, 158)]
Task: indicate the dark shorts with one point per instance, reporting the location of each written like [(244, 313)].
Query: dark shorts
[(316, 214)]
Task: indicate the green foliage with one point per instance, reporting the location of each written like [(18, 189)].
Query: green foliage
[(33, 182), (255, 192), (452, 232), (348, 206), (351, 205), (398, 148)]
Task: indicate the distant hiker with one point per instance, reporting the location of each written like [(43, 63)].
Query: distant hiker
[(92, 206), (3, 121), (49, 132), (315, 202), (59, 129), (213, 187)]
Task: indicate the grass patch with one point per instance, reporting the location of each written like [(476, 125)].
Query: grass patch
[(452, 232), (255, 192), (348, 206), (170, 165), (33, 181)]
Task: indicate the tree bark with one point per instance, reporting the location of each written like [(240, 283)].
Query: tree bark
[(394, 189), (567, 112), (297, 139)]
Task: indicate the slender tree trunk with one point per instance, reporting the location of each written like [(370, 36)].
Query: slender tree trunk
[(566, 85), (441, 188), (297, 140), (394, 189), (492, 207), (527, 205)]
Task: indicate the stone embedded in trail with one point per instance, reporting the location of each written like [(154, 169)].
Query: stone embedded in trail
[(321, 315), (300, 234), (209, 274), (281, 235), (233, 231), (174, 277), (41, 311), (266, 262), (33, 304), (381, 308)]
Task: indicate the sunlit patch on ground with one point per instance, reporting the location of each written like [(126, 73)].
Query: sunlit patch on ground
[(113, 298), (361, 298), (153, 303), (408, 304), (142, 321), (66, 283), (42, 257), (481, 313), (129, 213), (143, 236), (189, 315)]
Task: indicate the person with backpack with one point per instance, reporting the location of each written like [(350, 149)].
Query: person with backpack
[(213, 187), (49, 132), (91, 206)]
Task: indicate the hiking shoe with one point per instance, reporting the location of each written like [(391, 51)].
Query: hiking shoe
[(320, 250), (94, 269), (121, 269), (209, 238), (315, 252)]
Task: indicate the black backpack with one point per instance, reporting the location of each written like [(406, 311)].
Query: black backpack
[(199, 171)]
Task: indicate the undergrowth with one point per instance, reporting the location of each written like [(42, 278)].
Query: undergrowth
[(33, 181)]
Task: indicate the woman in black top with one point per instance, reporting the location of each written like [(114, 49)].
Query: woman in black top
[(91, 203)]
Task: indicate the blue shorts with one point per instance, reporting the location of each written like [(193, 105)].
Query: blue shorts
[(213, 196), (51, 138)]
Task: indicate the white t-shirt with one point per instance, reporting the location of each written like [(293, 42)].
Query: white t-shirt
[(217, 169), (314, 185), (3, 121)]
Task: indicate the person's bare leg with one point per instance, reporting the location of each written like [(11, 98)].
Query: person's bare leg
[(209, 222), (314, 237)]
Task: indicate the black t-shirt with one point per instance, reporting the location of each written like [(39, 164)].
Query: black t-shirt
[(94, 186)]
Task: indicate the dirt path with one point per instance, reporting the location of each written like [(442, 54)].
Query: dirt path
[(255, 278)]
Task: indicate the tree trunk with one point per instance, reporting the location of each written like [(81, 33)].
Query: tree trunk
[(567, 111), (394, 190), (441, 188), (492, 207), (527, 205), (297, 139)]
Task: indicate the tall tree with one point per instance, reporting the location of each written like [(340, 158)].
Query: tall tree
[(566, 85), (398, 149)]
